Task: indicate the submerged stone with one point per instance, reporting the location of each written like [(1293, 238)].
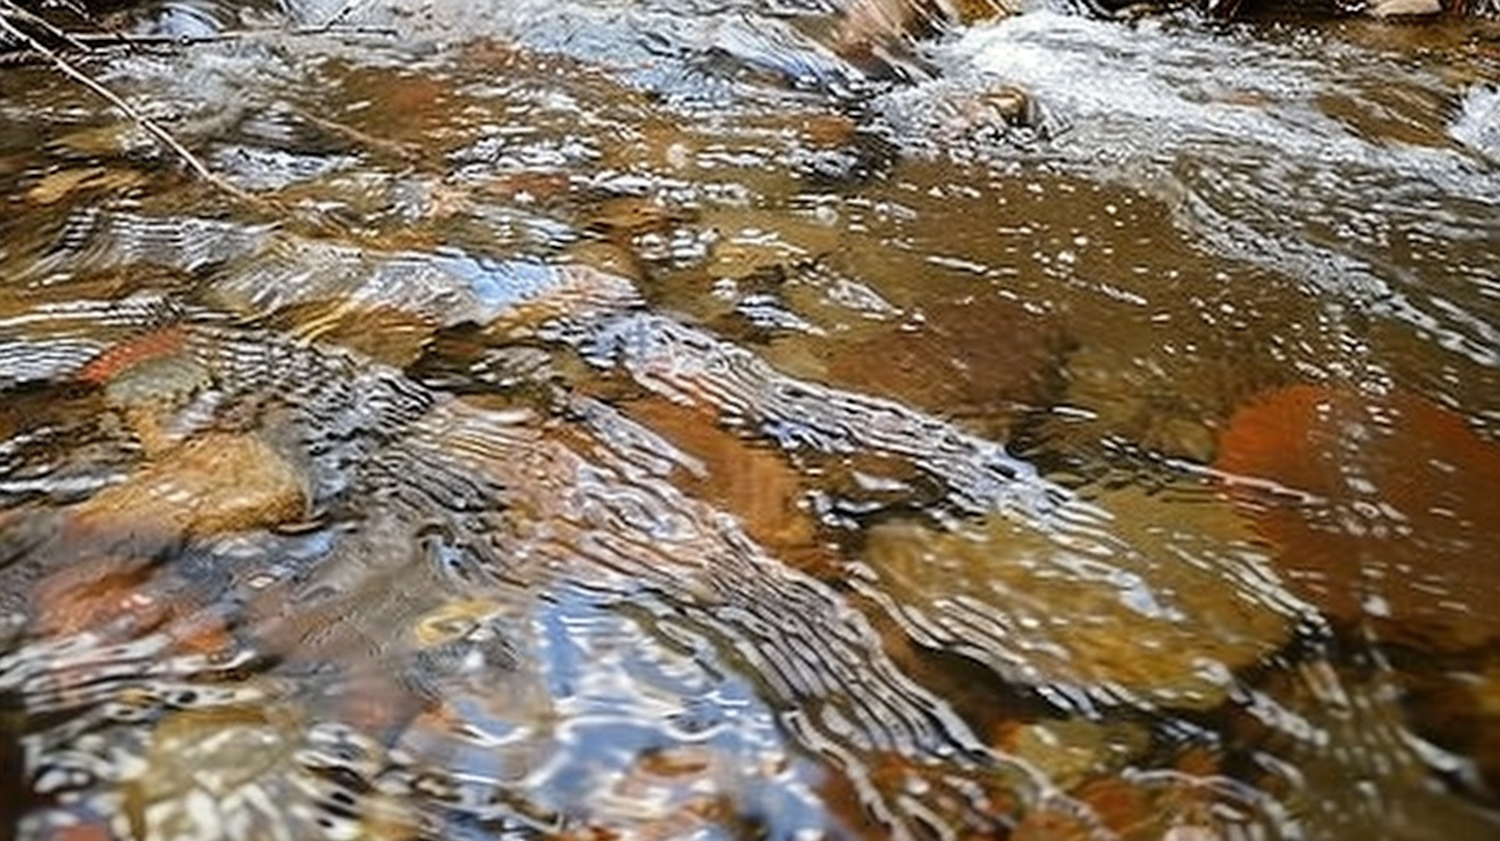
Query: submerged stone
[(1163, 620), (1325, 734), (125, 598), (1456, 705), (1070, 751), (750, 479), (261, 773), (986, 361), (217, 483), (1384, 509), (1184, 802)]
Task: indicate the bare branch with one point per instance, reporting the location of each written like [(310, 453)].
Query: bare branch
[(344, 11), (111, 37), (150, 125), (37, 19)]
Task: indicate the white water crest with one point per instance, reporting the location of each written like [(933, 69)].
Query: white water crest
[(1281, 153)]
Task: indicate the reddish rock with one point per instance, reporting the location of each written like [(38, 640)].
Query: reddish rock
[(1180, 803), (120, 358), (751, 480), (123, 598), (88, 594), (1384, 510)]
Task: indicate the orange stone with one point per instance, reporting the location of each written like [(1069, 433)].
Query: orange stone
[(121, 597), (1385, 510), (94, 593), (749, 479), (154, 345), (88, 831)]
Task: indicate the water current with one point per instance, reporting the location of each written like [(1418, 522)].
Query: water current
[(655, 419)]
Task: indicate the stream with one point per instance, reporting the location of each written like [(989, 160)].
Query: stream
[(631, 420)]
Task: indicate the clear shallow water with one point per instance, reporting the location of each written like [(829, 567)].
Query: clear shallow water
[(663, 420)]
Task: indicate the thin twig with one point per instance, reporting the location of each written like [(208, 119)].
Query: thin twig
[(145, 122), (405, 152), (83, 41), (344, 11), (112, 37), (48, 25)]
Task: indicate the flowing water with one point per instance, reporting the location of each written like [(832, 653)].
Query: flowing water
[(647, 419)]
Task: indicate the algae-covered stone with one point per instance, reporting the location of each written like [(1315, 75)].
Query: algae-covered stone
[(1162, 614), (1125, 392), (1069, 751)]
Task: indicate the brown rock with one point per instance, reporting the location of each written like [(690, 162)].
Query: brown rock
[(622, 219), (103, 553), (985, 360), (1164, 618), (67, 183), (868, 28), (865, 25), (1458, 708), (218, 483), (1181, 802), (1339, 753), (386, 334), (976, 11), (827, 131), (750, 479)]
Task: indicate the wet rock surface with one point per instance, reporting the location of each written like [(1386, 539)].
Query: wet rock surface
[(1298, 718)]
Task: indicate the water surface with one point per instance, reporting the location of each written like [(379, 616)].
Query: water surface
[(679, 419)]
